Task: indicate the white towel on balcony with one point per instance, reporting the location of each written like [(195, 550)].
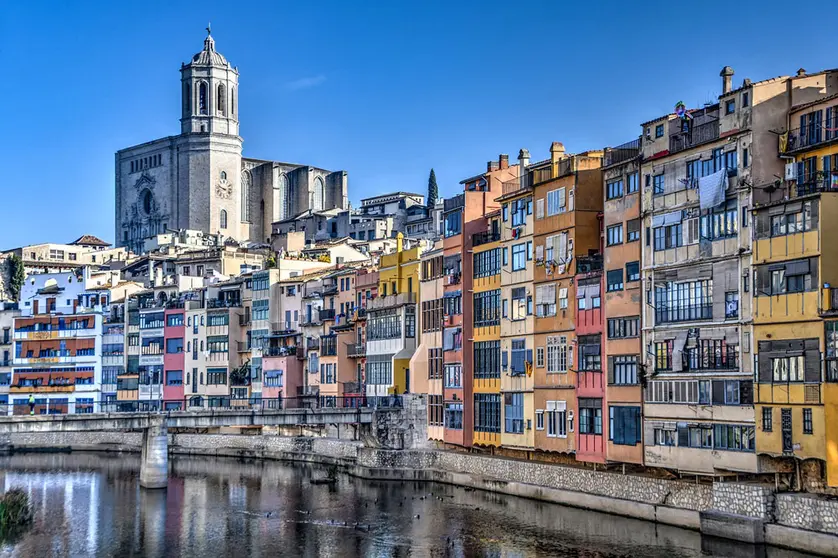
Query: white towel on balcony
[(711, 189)]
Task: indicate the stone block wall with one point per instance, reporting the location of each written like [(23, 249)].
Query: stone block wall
[(752, 500), (808, 511)]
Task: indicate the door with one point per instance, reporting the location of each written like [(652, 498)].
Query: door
[(788, 445), (194, 380)]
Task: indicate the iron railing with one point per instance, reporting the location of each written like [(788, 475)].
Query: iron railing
[(683, 313), (478, 239), (698, 135), (622, 153)]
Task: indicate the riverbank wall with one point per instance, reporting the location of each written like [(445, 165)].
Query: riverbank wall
[(748, 512)]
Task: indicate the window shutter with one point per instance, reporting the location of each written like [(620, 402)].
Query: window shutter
[(562, 247), (812, 366), (828, 124), (692, 231), (504, 359), (683, 436), (800, 177), (611, 371), (746, 392), (818, 121), (570, 196), (529, 356), (633, 427), (539, 208), (802, 127), (539, 253), (562, 200), (718, 392), (618, 436)]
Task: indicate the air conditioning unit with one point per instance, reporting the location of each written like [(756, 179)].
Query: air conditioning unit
[(791, 171)]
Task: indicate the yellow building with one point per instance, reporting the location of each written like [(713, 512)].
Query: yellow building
[(796, 396), (391, 322), (486, 258)]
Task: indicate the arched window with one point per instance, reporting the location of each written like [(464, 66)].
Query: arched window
[(223, 175), (203, 98), (287, 197), (223, 223), (222, 99), (233, 100), (246, 196), (319, 194), (187, 98)]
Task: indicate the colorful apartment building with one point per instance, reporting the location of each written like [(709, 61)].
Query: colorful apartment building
[(795, 302), (427, 362), (8, 312), (622, 343), (336, 367), (391, 323), (567, 321), (484, 358), (700, 168)]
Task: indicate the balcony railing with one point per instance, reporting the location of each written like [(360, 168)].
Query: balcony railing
[(312, 344), (279, 351), (702, 133), (244, 319), (352, 387), (685, 313), (589, 264), (456, 202), (391, 301), (242, 347), (698, 359), (810, 136), (622, 153), (356, 350), (327, 314), (522, 182), (478, 239), (813, 184), (218, 303)]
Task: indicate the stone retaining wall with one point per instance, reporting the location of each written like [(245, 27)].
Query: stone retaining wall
[(810, 512), (751, 500)]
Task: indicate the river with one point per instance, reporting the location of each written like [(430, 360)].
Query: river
[(90, 504)]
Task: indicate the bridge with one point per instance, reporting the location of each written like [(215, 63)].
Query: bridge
[(154, 468)]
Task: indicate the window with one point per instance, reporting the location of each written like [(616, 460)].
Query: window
[(767, 415), (174, 378), (454, 416), (712, 354), (487, 308), (732, 304), (519, 303), (432, 315), (664, 437), (453, 223), (733, 437), (174, 345), (633, 271), (556, 419), (519, 257), (746, 157), (216, 376), (487, 412), (614, 235), (663, 355), (434, 364), (659, 131), (217, 344), (590, 416), (379, 372), (721, 222), (539, 357), (453, 376), (589, 352), (557, 354), (203, 102), (632, 183), (545, 300), (435, 410), (619, 328), (539, 420), (513, 413), (698, 436), (520, 209), (487, 359), (658, 184), (624, 425), (556, 202), (174, 320), (668, 236), (730, 106), (384, 324), (614, 280), (788, 369), (632, 230), (622, 370), (684, 301), (807, 421), (520, 356), (452, 305), (746, 101), (223, 219), (614, 189), (487, 263)]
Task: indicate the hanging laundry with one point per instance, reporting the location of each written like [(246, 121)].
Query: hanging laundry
[(711, 189)]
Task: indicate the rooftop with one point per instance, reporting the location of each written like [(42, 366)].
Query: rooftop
[(89, 240)]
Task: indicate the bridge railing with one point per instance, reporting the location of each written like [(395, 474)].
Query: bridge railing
[(197, 403)]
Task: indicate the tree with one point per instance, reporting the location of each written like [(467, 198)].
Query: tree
[(433, 191), (270, 262), (17, 276)]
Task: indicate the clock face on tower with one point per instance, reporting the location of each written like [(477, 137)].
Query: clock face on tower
[(224, 189)]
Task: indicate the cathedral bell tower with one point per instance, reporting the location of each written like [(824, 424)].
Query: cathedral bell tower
[(210, 93)]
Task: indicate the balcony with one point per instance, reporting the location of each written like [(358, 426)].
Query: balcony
[(331, 290), (242, 346), (280, 351), (685, 313), (225, 303), (308, 391), (244, 319), (479, 239), (456, 202), (312, 344), (356, 350), (391, 301), (521, 183), (453, 279), (589, 264), (622, 153), (352, 387), (800, 139), (703, 133), (813, 185), (327, 314)]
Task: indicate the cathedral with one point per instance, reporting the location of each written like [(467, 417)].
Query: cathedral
[(199, 179)]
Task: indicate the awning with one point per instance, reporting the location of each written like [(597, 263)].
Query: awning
[(671, 218)]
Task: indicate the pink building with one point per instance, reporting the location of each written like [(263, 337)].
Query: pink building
[(173, 359)]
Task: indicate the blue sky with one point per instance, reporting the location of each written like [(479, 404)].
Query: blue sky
[(384, 90)]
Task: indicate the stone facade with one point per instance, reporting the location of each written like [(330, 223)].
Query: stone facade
[(810, 512), (750, 500), (199, 180)]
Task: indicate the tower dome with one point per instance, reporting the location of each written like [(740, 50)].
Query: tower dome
[(209, 56)]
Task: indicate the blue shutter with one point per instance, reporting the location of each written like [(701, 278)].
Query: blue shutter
[(619, 434), (529, 356), (800, 178), (818, 125), (504, 359), (802, 130), (827, 170), (828, 123)]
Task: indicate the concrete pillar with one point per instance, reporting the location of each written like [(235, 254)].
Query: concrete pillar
[(154, 467)]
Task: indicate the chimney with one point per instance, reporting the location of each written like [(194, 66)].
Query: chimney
[(727, 79), (503, 161), (523, 161), (492, 166), (801, 72), (556, 152)]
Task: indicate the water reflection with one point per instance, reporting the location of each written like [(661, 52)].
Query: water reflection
[(91, 505)]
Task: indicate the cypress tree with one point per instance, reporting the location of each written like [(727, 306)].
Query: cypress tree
[(433, 191)]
